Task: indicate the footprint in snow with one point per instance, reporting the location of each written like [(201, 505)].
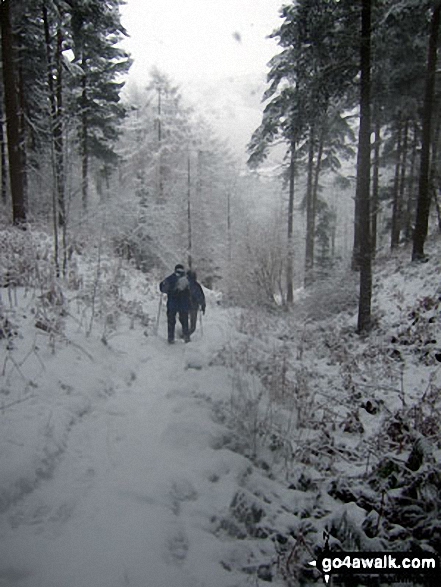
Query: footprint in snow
[(182, 490), (177, 547)]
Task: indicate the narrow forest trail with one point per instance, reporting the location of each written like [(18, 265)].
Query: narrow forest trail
[(132, 500)]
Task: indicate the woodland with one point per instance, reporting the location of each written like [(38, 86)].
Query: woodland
[(320, 259), (351, 97)]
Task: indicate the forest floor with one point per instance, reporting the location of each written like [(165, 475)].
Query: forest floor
[(226, 462)]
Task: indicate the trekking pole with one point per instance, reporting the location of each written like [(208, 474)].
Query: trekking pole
[(200, 320), (159, 315)]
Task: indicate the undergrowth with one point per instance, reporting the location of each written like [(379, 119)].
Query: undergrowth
[(354, 424), (94, 296)]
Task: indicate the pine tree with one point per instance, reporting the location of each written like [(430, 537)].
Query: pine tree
[(12, 112), (96, 30), (422, 217), (363, 172)]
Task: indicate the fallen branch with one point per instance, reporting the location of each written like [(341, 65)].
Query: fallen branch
[(18, 401)]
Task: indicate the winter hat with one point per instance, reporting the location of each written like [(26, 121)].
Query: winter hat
[(179, 269)]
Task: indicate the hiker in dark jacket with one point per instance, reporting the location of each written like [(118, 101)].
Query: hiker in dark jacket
[(176, 287), (197, 299)]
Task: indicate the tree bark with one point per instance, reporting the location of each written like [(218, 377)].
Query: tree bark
[(315, 187), (3, 159), (375, 185), (160, 194), (309, 249), (423, 204), (290, 244), (395, 228), (363, 173), (84, 146), (410, 199), (189, 235), (16, 166)]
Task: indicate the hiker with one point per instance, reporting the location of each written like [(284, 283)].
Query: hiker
[(178, 301), (197, 299)]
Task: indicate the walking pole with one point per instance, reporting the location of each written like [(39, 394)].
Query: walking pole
[(200, 320), (159, 315)]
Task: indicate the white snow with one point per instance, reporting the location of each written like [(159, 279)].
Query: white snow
[(122, 459), (112, 467)]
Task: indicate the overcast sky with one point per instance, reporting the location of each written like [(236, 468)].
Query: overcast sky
[(200, 44)]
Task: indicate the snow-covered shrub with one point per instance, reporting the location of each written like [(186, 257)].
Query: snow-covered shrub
[(329, 297), (421, 332), (25, 258), (354, 424), (256, 275), (51, 309), (7, 329)]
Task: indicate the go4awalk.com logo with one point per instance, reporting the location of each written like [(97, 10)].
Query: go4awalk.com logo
[(398, 566)]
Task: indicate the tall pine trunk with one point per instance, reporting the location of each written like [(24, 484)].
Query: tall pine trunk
[(375, 185), (3, 161), (189, 234), (315, 186), (410, 197), (16, 164), (160, 194), (84, 142), (55, 87), (309, 250), (423, 204), (363, 173), (399, 184), (434, 183), (395, 228), (290, 251)]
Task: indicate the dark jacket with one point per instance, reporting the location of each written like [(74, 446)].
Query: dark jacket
[(178, 292), (197, 296)]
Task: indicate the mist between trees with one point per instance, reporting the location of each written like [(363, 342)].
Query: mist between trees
[(345, 161)]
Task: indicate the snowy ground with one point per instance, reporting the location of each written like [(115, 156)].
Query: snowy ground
[(112, 468), (125, 461)]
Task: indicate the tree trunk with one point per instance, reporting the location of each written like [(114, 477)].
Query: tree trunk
[(433, 182), (309, 250), (403, 178), (290, 251), (16, 168), (229, 225), (363, 172), (375, 185), (423, 204), (189, 252), (437, 208), (160, 195), (410, 200), (395, 228), (58, 129), (84, 146), (315, 187), (399, 184), (54, 71), (3, 159), (22, 126), (54, 76)]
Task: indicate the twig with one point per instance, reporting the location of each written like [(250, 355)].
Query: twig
[(18, 401), (80, 348), (14, 362)]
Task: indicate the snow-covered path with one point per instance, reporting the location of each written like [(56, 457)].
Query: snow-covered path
[(132, 500)]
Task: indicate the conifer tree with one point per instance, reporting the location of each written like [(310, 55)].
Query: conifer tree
[(12, 112), (363, 172), (422, 217), (96, 30)]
